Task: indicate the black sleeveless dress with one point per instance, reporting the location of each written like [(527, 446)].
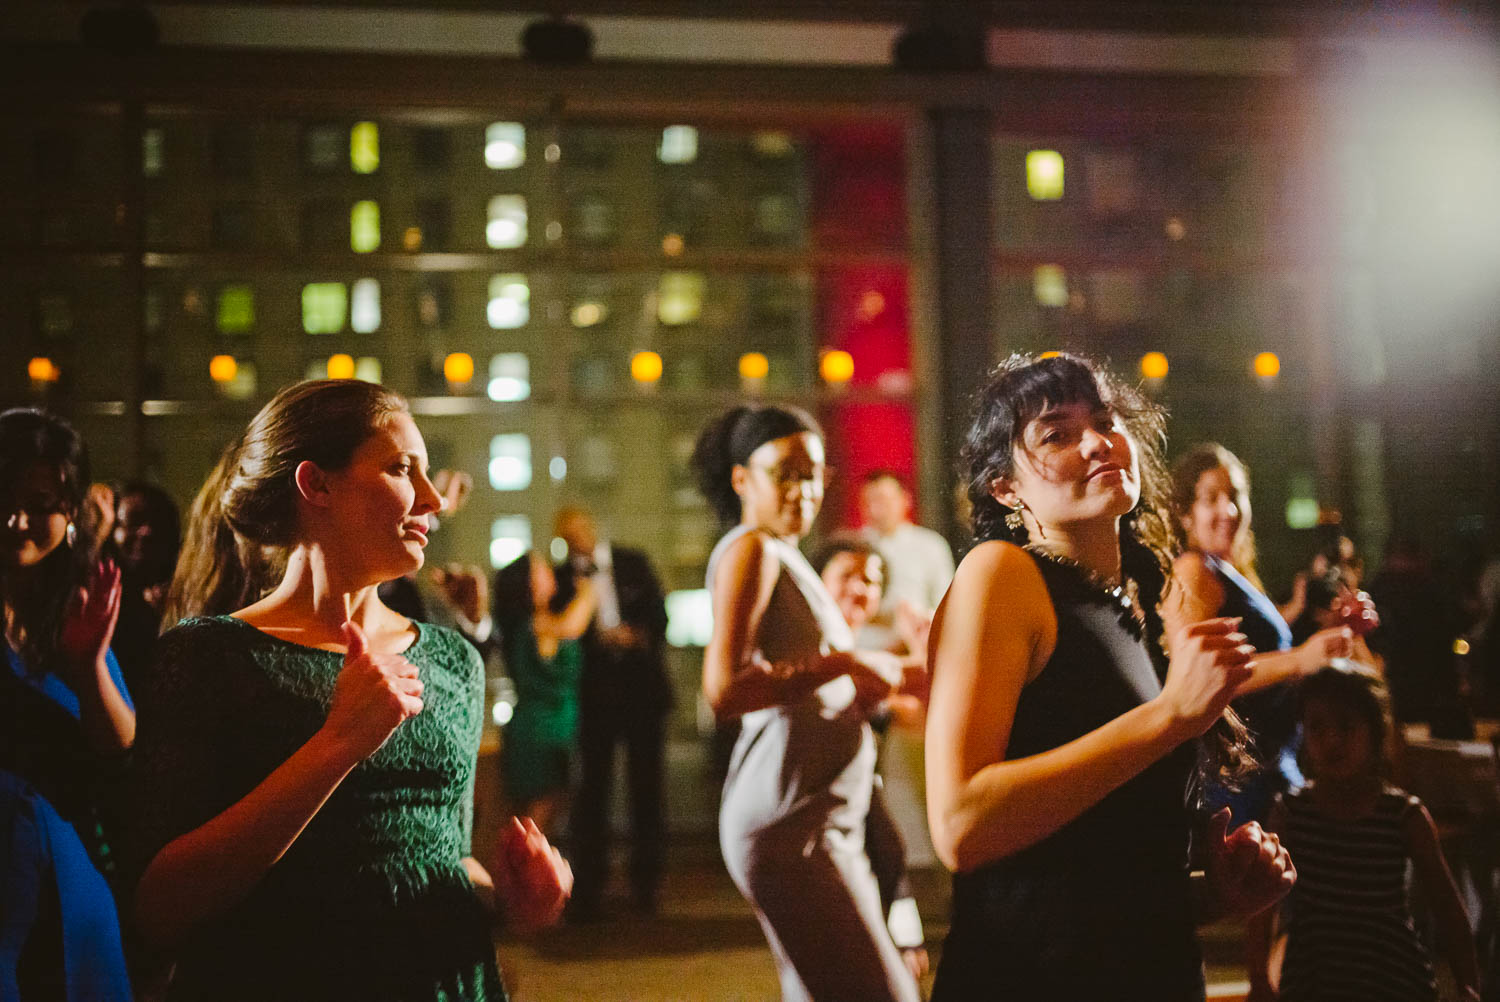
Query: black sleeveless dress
[(1100, 909)]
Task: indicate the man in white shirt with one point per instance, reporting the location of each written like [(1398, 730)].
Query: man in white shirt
[(918, 561)]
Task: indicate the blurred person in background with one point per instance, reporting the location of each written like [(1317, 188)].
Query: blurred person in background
[(1350, 929), (853, 571), (782, 659), (1215, 576), (66, 724), (624, 697), (144, 541), (544, 657)]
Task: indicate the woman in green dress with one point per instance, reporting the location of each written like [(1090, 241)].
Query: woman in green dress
[(545, 658), (306, 764)]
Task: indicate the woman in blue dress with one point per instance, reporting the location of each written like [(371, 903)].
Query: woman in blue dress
[(66, 722), (1215, 575)]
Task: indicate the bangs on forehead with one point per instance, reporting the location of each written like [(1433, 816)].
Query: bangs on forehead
[(1056, 382)]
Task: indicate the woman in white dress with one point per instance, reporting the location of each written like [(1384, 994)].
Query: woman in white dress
[(782, 661)]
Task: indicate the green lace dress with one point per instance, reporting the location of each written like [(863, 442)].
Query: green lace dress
[(371, 901)]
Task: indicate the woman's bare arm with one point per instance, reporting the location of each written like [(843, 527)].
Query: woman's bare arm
[(733, 682), (995, 630)]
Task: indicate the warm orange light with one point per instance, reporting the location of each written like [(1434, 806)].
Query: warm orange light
[(1050, 354), (1267, 365), (871, 305), (42, 370), (754, 365), (340, 367), (671, 245), (837, 366), (645, 367), (222, 368), (412, 238), (1154, 365), (458, 367)]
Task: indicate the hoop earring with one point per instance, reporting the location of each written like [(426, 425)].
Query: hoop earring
[(72, 534)]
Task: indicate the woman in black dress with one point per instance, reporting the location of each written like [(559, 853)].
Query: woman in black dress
[(1059, 753)]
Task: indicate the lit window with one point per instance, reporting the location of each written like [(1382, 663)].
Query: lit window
[(510, 302), (507, 222), (241, 383), (43, 370), (364, 147), (153, 151), (504, 145), (558, 469), (236, 310), (1044, 175), (1049, 285), (679, 297), (510, 377), (364, 307), (772, 144), (1302, 502), (367, 368), (690, 617), (323, 147), (510, 538), (364, 227), (324, 306), (510, 462), (589, 313), (679, 145)]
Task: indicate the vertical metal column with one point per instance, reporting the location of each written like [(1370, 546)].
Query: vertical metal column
[(962, 180)]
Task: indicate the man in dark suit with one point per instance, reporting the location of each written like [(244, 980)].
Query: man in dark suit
[(624, 697)]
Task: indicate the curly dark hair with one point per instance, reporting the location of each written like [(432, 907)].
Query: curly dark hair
[(1020, 389)]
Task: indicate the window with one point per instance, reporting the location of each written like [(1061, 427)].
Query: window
[(507, 222), (690, 618), (1049, 284), (324, 306), (323, 148), (54, 315), (1044, 175), (504, 145), (433, 302), (364, 227), (510, 302), (153, 151), (325, 221), (510, 462), (432, 225), (680, 297), (510, 377), (235, 312), (431, 148), (679, 145), (364, 307), (593, 218), (232, 150), (510, 538), (364, 148), (232, 225)]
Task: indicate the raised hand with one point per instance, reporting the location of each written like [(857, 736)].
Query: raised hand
[(89, 623), (1325, 646), (373, 695), (1247, 869), (1210, 660), (463, 587), (532, 879)]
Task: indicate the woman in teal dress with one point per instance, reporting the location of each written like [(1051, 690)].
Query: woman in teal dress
[(306, 764), (544, 657)]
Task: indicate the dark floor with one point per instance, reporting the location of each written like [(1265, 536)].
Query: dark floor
[(704, 944)]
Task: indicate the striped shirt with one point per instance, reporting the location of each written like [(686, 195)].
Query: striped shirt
[(1350, 931)]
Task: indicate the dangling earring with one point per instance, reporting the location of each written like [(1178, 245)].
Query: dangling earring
[(1013, 520), (72, 533)]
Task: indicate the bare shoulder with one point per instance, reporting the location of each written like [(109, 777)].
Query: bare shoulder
[(1190, 566), (750, 559), (999, 579)]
